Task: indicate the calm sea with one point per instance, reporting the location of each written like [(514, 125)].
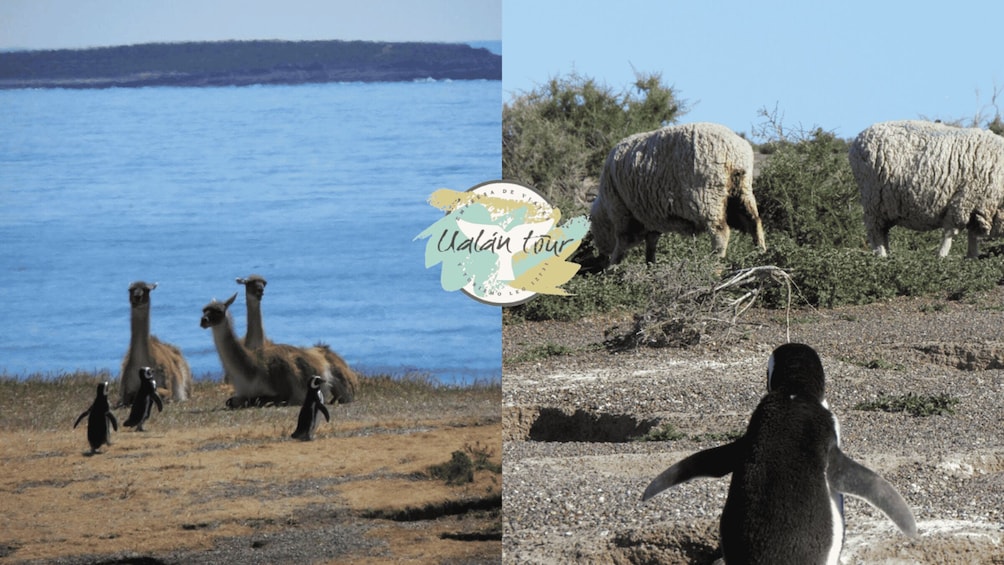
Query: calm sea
[(319, 188)]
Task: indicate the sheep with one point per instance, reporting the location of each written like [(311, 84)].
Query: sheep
[(924, 176), (275, 373), (146, 350), (687, 179), (345, 383)]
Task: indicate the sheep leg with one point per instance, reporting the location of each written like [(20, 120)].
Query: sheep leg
[(759, 239), (720, 240), (651, 242), (618, 254), (946, 241), (878, 239), (973, 251)]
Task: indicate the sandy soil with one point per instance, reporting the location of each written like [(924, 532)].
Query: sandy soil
[(574, 474), (208, 485)]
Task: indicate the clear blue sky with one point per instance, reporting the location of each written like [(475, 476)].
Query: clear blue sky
[(55, 24), (840, 65)]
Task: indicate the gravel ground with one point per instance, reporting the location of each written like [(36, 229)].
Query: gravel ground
[(573, 477)]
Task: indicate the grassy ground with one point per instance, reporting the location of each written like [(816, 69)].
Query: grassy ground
[(207, 484)]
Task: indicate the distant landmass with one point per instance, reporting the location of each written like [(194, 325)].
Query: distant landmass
[(240, 63)]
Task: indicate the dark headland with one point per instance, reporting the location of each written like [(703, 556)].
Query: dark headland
[(240, 63)]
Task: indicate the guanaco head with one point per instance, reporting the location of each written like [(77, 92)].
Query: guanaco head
[(215, 312), (254, 285), (139, 293)]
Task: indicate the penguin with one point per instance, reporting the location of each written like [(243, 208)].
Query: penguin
[(797, 367), (100, 417), (143, 403), (313, 404), (787, 473)]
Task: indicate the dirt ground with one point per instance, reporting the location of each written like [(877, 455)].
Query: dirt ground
[(209, 485), (573, 411)]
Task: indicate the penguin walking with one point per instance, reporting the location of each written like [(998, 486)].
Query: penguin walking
[(143, 403), (313, 405), (788, 473), (100, 417)]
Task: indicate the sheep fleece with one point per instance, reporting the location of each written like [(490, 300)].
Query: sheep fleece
[(924, 176), (674, 179)]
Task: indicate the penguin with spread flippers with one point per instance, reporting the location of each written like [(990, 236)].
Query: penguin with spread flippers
[(143, 403), (313, 405), (100, 420), (787, 473)]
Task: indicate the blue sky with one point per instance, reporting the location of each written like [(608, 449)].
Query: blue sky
[(838, 65), (55, 24)]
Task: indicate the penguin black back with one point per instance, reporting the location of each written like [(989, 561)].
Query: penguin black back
[(100, 420), (313, 406), (779, 508), (145, 398), (787, 473)]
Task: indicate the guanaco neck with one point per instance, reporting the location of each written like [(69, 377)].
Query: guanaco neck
[(234, 357), (255, 337), (139, 342)]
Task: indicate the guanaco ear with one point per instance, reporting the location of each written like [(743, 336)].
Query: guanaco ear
[(230, 300), (242, 280)]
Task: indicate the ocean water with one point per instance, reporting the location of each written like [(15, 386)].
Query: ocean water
[(319, 188)]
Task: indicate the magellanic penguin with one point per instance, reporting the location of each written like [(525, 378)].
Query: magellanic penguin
[(142, 405), (313, 404), (786, 472), (100, 417), (795, 366)]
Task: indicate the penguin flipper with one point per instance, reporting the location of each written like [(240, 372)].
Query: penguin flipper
[(81, 417), (115, 423), (160, 403), (321, 408), (850, 477), (715, 462)]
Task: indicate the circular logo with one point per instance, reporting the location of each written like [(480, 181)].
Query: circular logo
[(501, 243)]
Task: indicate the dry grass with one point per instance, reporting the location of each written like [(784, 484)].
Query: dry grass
[(208, 484)]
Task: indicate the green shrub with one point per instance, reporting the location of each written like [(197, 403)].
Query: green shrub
[(543, 352), (589, 294), (629, 287), (556, 137), (915, 405), (831, 277), (457, 471), (665, 432), (805, 190)]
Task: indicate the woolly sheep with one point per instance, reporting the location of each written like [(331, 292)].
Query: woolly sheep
[(924, 176), (686, 178)]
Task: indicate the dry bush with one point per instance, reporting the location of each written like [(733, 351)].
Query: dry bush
[(685, 312)]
